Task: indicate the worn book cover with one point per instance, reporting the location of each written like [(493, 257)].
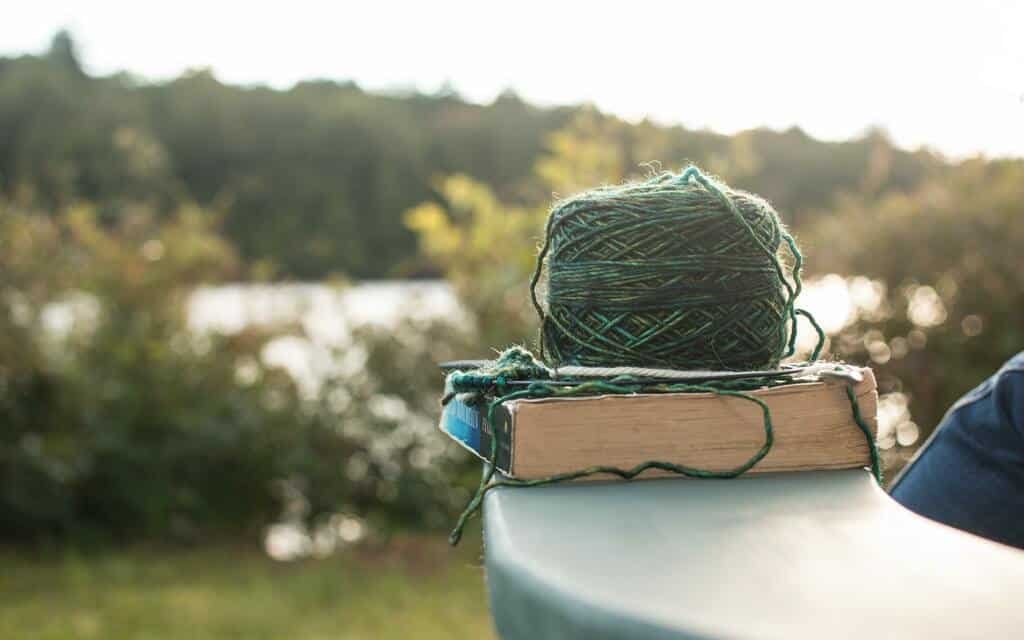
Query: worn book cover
[(813, 423)]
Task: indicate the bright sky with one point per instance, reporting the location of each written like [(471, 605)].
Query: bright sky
[(946, 75)]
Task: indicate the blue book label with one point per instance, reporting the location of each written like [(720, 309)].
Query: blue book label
[(467, 424)]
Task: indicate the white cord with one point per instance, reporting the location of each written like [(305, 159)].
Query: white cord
[(571, 371), (805, 371)]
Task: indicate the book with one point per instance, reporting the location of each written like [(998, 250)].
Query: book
[(813, 425)]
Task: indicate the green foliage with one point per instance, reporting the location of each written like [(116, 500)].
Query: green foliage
[(315, 179), (118, 419), (486, 248), (949, 255), (414, 587)]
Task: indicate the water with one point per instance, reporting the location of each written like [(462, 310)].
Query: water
[(325, 315)]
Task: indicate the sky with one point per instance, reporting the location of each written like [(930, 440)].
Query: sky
[(948, 76)]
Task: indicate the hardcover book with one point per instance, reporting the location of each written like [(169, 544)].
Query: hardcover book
[(813, 425)]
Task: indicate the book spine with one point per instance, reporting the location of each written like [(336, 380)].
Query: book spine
[(467, 424)]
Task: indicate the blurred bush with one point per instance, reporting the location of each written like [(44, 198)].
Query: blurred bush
[(487, 248), (118, 420), (949, 256)]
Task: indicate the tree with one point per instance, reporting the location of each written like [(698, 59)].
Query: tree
[(64, 54)]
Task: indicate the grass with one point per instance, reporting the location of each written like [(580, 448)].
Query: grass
[(410, 588)]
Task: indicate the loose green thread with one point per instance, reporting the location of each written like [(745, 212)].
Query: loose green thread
[(620, 386), (876, 462), (497, 385), (621, 291)]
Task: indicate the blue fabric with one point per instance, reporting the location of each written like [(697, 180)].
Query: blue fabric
[(970, 473)]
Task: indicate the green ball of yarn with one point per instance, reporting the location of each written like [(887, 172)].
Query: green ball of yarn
[(678, 271)]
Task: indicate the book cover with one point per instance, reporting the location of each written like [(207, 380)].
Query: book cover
[(813, 423), (467, 424)]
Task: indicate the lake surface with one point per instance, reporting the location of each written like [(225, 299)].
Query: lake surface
[(327, 314)]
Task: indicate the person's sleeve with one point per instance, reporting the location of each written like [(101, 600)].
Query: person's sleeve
[(970, 473)]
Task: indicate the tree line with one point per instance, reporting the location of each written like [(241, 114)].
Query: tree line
[(312, 181)]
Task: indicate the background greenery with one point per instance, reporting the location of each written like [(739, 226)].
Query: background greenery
[(119, 196), (314, 180), (409, 588)]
